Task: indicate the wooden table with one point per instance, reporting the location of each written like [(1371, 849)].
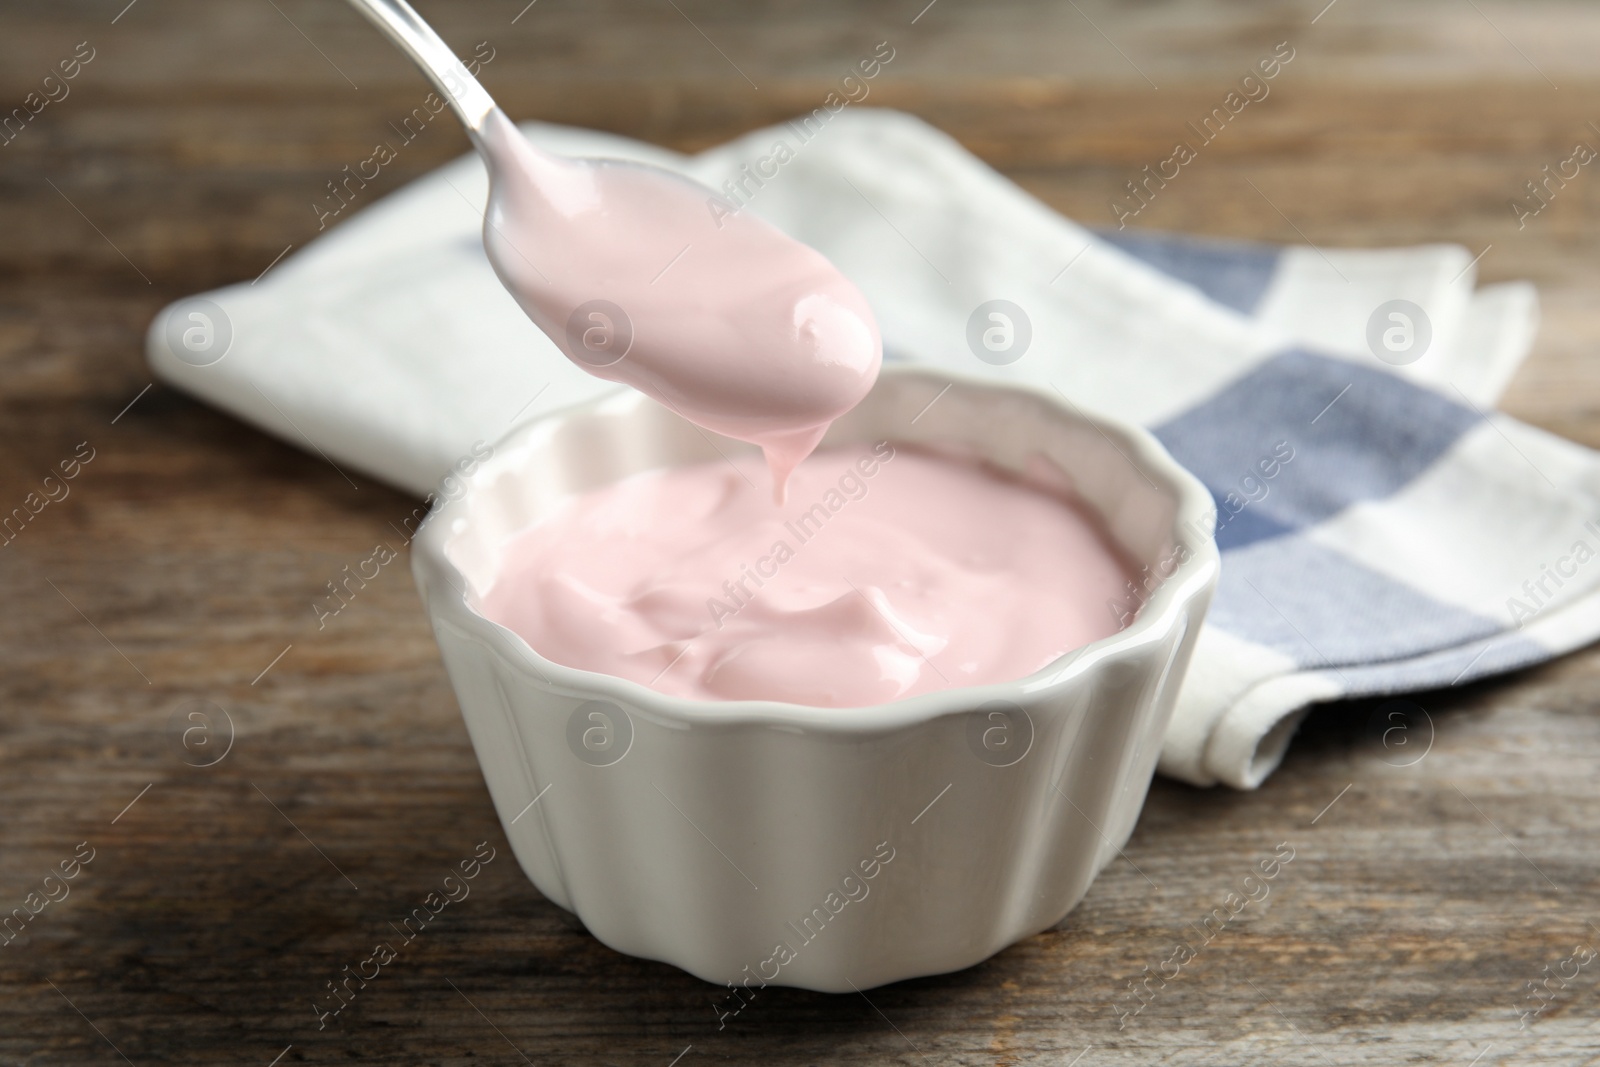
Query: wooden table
[(181, 567)]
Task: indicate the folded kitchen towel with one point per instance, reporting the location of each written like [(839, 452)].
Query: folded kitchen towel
[(1383, 530)]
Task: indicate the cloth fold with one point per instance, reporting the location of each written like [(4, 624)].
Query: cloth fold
[(1383, 530)]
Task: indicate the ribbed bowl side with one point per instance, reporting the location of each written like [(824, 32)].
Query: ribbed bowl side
[(748, 852)]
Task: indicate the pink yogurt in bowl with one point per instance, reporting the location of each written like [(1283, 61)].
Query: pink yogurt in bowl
[(888, 572), (813, 834)]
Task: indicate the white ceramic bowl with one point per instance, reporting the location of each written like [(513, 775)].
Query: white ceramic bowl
[(826, 848)]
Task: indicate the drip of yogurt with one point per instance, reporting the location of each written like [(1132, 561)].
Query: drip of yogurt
[(721, 317), (891, 572)]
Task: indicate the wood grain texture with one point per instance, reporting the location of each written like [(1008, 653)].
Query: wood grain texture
[(1417, 908)]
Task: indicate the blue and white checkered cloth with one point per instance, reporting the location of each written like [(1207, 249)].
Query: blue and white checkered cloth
[(1382, 529)]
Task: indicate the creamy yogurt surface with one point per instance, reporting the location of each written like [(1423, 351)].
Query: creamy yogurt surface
[(722, 317), (890, 572)]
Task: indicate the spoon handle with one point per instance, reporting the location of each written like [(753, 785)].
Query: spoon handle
[(428, 50)]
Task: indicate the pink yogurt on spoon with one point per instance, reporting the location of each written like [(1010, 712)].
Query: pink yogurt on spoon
[(890, 572), (725, 319)]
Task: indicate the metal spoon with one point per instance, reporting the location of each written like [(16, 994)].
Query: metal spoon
[(644, 277)]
